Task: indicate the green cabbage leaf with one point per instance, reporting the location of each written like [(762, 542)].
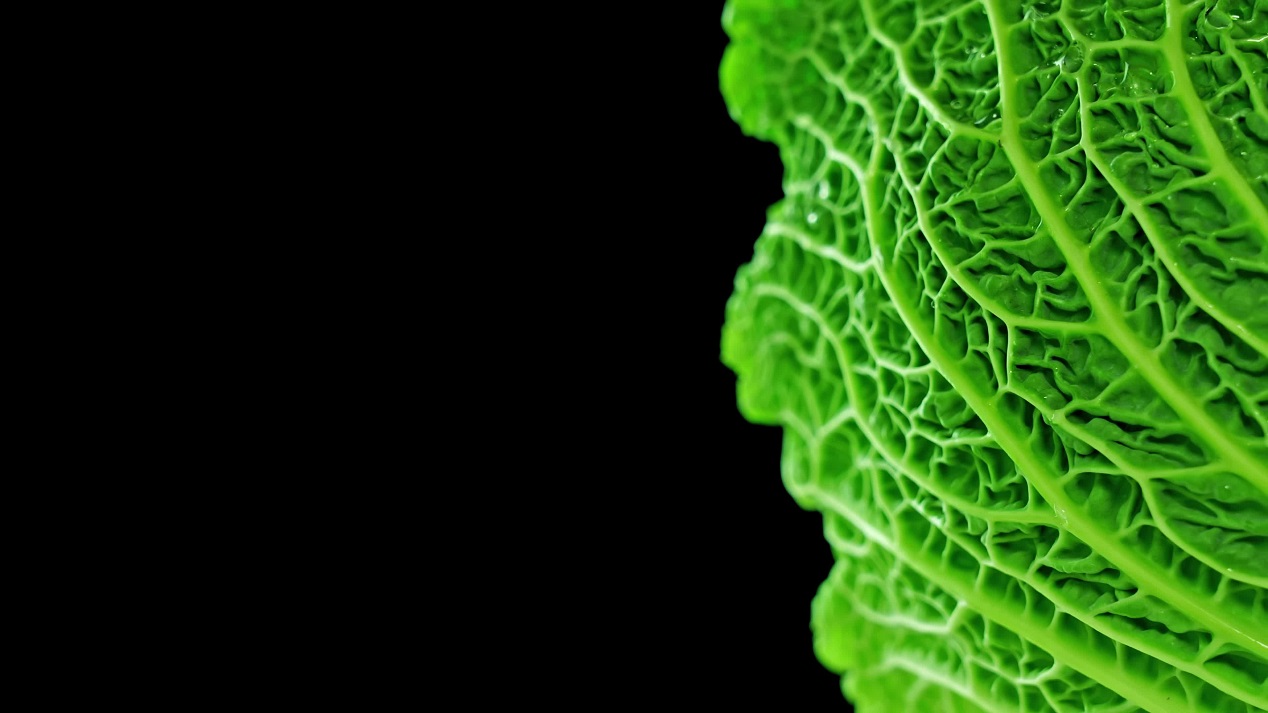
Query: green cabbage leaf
[(1012, 316)]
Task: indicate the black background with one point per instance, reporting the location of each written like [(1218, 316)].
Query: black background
[(733, 562)]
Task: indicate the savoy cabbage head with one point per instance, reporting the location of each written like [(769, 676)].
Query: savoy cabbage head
[(1013, 318)]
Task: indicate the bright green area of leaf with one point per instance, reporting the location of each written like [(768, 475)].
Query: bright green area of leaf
[(1013, 318)]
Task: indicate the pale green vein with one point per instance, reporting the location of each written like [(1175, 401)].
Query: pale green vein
[(930, 105), (807, 243), (1173, 50), (935, 20), (1256, 96), (974, 691)]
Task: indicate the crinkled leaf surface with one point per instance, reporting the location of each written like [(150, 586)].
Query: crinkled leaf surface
[(1013, 318)]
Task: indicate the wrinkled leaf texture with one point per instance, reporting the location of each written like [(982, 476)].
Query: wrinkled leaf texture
[(1012, 316)]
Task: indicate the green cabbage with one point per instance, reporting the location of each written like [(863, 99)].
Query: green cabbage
[(1012, 316)]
